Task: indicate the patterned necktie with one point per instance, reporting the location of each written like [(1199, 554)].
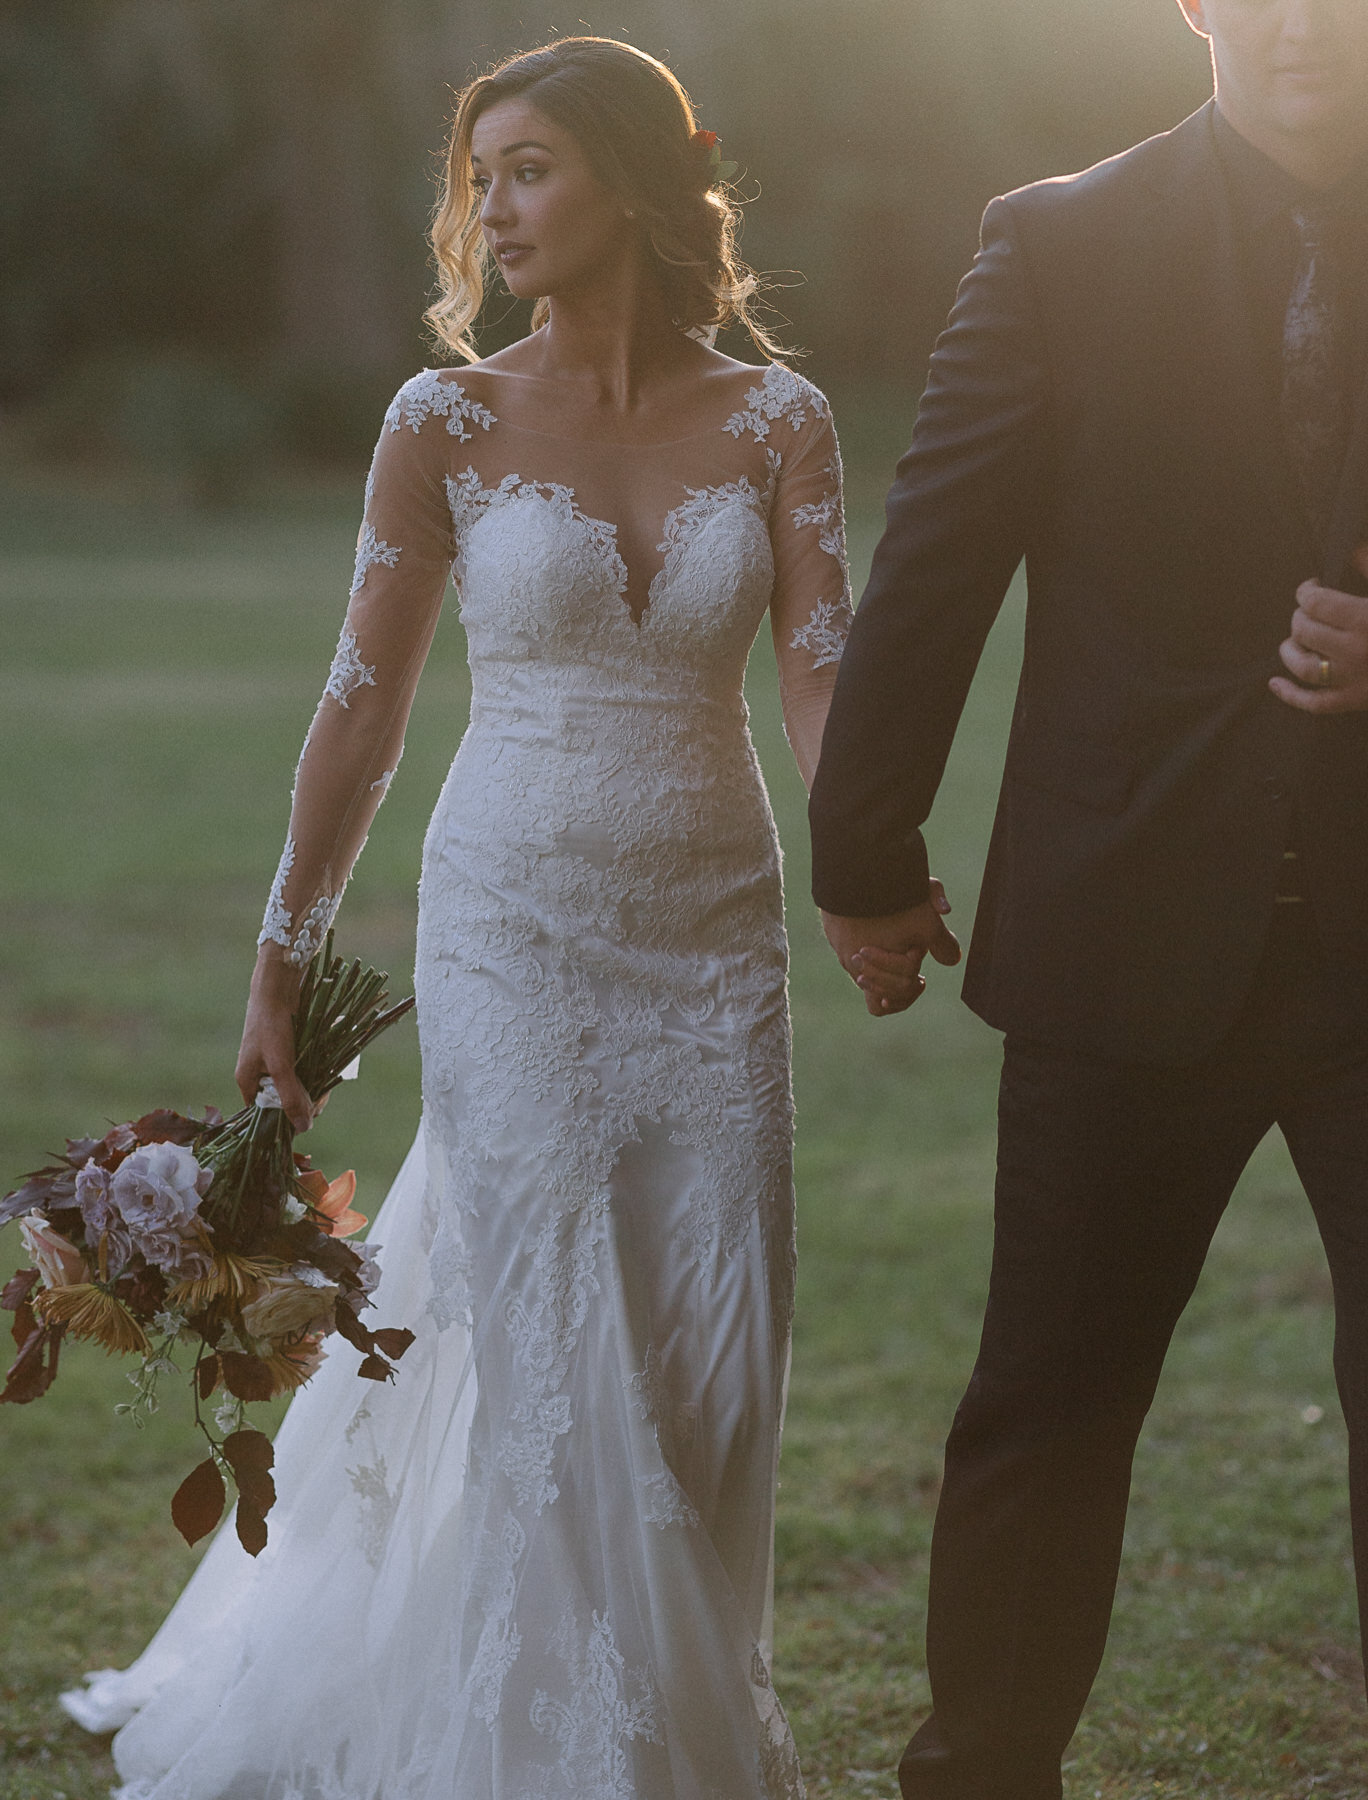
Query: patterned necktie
[(1315, 396)]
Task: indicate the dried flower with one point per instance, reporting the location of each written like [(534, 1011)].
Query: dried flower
[(56, 1259), (90, 1311), (293, 1364), (296, 1301), (232, 1277)]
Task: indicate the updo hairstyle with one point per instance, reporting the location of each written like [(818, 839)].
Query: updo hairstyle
[(636, 126)]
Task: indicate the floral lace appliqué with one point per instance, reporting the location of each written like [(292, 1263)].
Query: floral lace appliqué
[(469, 500), (371, 550), (824, 636), (378, 1505), (348, 672), (780, 395), (427, 395), (277, 925), (608, 1708), (300, 943)]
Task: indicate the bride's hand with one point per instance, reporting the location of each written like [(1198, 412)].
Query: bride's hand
[(268, 1039)]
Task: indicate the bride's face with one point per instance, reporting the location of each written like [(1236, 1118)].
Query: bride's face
[(550, 223)]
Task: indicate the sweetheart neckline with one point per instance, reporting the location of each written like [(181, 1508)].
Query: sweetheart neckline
[(743, 490)]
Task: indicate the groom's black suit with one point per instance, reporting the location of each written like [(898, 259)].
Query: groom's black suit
[(1105, 403)]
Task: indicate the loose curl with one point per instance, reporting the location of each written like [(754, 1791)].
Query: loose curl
[(636, 125)]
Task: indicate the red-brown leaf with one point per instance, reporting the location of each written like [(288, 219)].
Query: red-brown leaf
[(165, 1127), (39, 1190), (250, 1457), (207, 1375), (25, 1324), (393, 1341), (245, 1377), (18, 1288), (34, 1370), (251, 1528), (197, 1504), (116, 1144), (375, 1368), (337, 1260), (351, 1328)]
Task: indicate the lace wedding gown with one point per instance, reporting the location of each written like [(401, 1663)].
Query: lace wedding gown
[(538, 1566)]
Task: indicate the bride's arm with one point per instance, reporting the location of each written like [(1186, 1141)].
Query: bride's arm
[(356, 739), (810, 613)]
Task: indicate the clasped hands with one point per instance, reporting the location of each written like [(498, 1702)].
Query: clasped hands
[(1326, 652), (883, 956)]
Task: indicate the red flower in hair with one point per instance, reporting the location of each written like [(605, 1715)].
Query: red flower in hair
[(718, 170)]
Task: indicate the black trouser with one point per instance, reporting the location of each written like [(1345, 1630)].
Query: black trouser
[(1112, 1179)]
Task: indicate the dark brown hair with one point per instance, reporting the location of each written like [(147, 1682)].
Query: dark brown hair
[(636, 126)]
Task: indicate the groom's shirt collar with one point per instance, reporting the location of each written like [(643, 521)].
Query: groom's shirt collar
[(1262, 198), (1262, 191)]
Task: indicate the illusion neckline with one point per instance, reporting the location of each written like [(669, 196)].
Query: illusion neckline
[(762, 372)]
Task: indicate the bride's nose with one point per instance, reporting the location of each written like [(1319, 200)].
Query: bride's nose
[(496, 207)]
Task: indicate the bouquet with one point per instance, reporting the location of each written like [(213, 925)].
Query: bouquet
[(212, 1235)]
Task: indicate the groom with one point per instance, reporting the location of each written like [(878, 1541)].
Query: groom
[(1152, 388)]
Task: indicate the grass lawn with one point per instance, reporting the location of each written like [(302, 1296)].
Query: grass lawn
[(159, 673)]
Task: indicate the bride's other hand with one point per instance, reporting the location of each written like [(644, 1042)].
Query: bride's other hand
[(268, 1039)]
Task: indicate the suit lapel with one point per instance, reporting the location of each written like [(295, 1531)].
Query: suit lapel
[(1207, 273), (1349, 521)]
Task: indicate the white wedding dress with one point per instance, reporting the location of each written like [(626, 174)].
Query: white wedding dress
[(538, 1566)]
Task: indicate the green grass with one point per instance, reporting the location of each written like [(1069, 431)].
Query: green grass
[(159, 672)]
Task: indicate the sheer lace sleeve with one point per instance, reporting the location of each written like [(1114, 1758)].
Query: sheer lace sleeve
[(810, 613), (353, 747)]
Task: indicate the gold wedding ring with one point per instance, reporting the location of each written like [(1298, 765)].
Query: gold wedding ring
[(1326, 675)]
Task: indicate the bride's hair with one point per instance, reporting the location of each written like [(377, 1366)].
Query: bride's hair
[(635, 124)]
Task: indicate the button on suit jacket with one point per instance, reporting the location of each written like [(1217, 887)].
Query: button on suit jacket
[(1094, 406)]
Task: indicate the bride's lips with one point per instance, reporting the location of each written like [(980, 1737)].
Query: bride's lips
[(510, 254)]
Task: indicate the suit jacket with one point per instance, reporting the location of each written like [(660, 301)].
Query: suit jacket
[(1093, 406)]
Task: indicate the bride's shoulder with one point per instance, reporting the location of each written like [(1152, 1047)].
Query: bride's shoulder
[(446, 394), (776, 394)]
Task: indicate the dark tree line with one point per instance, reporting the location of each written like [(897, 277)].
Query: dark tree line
[(212, 212)]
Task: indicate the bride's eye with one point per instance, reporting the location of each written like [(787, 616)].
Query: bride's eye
[(528, 172), (480, 183)]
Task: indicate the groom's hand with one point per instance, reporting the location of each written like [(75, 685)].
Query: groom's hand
[(883, 956), (1328, 650)]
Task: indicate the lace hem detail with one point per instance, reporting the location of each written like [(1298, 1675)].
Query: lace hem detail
[(348, 672), (427, 396)]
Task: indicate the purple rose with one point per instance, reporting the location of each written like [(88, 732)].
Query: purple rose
[(159, 1188), (157, 1192), (101, 1216)]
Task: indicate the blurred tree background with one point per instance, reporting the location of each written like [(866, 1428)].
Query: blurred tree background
[(213, 212)]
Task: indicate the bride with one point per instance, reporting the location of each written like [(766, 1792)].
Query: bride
[(539, 1565)]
